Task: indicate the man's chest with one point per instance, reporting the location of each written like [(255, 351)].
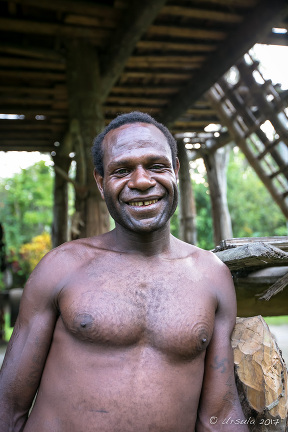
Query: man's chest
[(174, 314)]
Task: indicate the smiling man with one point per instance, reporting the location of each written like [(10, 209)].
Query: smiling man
[(129, 331)]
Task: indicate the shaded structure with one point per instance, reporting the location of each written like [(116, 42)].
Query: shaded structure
[(69, 66)]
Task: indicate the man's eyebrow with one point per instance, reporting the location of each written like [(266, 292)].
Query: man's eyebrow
[(150, 159)]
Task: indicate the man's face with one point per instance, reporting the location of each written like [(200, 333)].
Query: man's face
[(139, 183)]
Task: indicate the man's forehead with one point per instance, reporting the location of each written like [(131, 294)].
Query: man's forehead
[(149, 128)]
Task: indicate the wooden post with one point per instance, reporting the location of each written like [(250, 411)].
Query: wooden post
[(187, 207), (216, 165), (85, 109), (60, 207)]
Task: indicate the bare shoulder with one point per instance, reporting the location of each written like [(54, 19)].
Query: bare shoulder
[(203, 257), (50, 275)]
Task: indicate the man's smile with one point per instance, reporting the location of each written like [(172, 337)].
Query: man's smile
[(143, 203)]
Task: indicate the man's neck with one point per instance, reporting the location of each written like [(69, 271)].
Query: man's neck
[(147, 244)]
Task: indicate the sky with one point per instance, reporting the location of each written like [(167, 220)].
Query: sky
[(274, 66)]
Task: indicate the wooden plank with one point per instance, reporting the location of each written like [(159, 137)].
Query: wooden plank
[(83, 7), (31, 51), (28, 126), (31, 64), (101, 22), (129, 90), (236, 3), (280, 242), (174, 46), (120, 109), (30, 112), (56, 92), (156, 75), (27, 147), (202, 14), (253, 255), (129, 32), (257, 24), (6, 100), (51, 29), (134, 100), (32, 75), (185, 32)]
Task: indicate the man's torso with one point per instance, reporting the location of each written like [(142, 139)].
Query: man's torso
[(128, 347)]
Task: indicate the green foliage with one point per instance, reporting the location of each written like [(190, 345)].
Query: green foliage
[(26, 204), (253, 211), (31, 253)]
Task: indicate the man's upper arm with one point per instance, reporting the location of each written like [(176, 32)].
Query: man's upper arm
[(219, 398), (28, 348)]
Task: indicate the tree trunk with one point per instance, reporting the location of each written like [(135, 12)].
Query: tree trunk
[(261, 375), (216, 166), (187, 207), (85, 111)]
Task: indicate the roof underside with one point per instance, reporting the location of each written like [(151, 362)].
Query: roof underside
[(155, 56)]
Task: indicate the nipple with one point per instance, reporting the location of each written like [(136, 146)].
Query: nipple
[(204, 340)]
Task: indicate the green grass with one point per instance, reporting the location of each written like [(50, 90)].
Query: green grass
[(276, 320)]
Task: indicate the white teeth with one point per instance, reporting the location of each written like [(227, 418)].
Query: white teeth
[(142, 203)]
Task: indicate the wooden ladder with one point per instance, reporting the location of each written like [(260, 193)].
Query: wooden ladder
[(247, 107)]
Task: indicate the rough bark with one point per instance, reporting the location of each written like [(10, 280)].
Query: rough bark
[(187, 207), (85, 109), (216, 165), (261, 375), (60, 205)]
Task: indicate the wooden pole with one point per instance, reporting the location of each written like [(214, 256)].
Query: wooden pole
[(187, 207), (60, 206), (216, 165), (85, 109)]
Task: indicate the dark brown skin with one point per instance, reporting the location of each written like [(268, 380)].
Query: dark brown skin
[(129, 331)]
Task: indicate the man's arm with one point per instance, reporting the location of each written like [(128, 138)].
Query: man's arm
[(219, 407), (28, 348)]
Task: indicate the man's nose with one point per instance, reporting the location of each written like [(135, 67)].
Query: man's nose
[(141, 179)]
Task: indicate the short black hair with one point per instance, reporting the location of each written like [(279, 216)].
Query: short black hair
[(132, 117)]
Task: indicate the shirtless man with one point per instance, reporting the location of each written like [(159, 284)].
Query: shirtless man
[(128, 331)]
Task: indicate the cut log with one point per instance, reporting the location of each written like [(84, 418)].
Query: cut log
[(261, 375), (281, 242), (250, 255)]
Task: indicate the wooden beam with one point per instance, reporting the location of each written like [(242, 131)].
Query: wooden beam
[(32, 75), (174, 46), (134, 100), (155, 75), (185, 32), (31, 64), (57, 91), (129, 32), (34, 52), (144, 90), (83, 7), (52, 29), (236, 44), (202, 14)]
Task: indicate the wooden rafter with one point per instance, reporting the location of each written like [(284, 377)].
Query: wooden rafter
[(124, 41), (257, 24)]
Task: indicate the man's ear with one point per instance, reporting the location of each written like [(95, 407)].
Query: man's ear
[(99, 180), (176, 170)]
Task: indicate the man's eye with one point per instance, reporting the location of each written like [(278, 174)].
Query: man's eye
[(157, 167), (121, 171)]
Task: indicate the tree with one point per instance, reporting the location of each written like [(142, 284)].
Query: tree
[(26, 204)]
